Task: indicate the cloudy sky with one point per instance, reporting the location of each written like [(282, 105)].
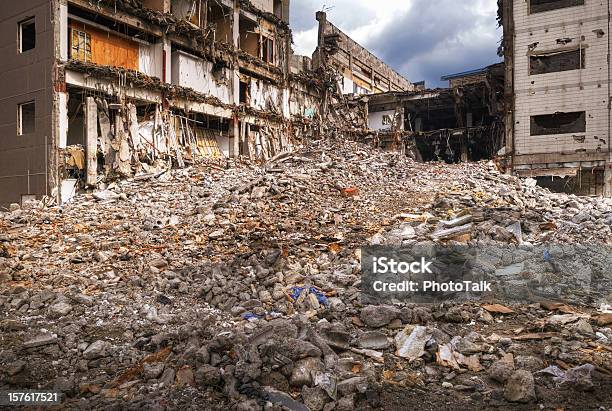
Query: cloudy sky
[(421, 39)]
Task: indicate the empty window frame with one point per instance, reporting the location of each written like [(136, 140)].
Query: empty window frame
[(26, 118), (267, 54), (244, 93), (27, 35), (539, 6), (558, 123), (278, 9), (80, 45), (556, 62)]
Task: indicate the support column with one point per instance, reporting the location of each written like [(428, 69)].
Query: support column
[(236, 77), (372, 79), (63, 31), (91, 138), (508, 41), (62, 112), (236, 146), (464, 147), (321, 17), (59, 99), (608, 177), (167, 60)]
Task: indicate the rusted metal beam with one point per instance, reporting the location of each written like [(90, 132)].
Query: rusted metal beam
[(119, 16)]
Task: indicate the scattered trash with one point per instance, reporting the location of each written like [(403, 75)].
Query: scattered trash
[(320, 296), (251, 316)]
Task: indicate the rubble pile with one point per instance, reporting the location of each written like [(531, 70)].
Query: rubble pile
[(210, 287)]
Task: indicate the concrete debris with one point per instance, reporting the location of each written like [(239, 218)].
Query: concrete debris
[(410, 342), (579, 377), (520, 387), (238, 288), (41, 340), (373, 340), (95, 350)]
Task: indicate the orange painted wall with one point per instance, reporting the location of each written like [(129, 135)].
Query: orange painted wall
[(108, 49)]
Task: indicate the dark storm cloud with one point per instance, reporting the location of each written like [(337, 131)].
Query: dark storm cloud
[(430, 39), (303, 14), (438, 37)]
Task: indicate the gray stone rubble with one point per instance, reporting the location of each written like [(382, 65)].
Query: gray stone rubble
[(212, 288)]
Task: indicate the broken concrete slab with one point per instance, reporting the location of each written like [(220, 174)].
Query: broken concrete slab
[(410, 342)]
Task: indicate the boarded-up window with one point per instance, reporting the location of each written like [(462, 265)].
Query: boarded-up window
[(555, 62), (102, 47), (26, 118), (558, 123), (539, 6), (27, 35), (80, 45)]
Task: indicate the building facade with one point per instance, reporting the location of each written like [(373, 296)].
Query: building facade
[(557, 55), (361, 72), (115, 88)]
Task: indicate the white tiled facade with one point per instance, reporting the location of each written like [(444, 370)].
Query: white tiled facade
[(568, 91)]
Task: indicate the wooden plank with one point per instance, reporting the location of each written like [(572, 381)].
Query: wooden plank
[(108, 49)]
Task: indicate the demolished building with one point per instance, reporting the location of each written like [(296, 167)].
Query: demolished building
[(557, 57), (456, 124), (361, 72), (155, 81)]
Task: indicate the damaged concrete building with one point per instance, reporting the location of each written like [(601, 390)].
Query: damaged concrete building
[(122, 87), (557, 56), (361, 72), (461, 123)]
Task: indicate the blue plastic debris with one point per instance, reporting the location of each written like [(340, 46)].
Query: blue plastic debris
[(251, 316), (547, 256), (321, 297)]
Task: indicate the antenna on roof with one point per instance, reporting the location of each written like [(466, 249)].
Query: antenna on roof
[(326, 8)]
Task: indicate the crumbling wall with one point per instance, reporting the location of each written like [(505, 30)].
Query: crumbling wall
[(356, 63), (202, 76), (264, 5)]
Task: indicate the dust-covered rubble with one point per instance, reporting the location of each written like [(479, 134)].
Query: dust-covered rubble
[(214, 288)]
